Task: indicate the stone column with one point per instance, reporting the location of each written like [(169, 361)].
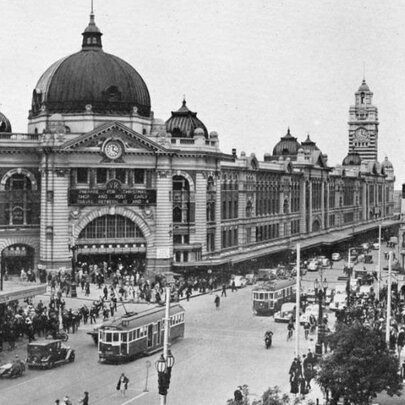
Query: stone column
[(201, 210), (323, 222), (55, 234), (303, 208), (160, 258)]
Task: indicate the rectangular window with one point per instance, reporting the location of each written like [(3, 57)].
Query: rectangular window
[(124, 336), (116, 337), (101, 176), (120, 174), (139, 176), (82, 175), (108, 337)]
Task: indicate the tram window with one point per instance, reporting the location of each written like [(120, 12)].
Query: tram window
[(82, 175), (101, 176), (139, 176), (108, 337), (115, 337), (271, 304), (101, 335), (271, 295), (124, 336), (261, 296), (137, 334)]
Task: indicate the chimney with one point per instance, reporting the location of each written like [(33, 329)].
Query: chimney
[(234, 152)]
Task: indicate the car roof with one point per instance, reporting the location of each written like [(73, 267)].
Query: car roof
[(288, 305), (44, 342)]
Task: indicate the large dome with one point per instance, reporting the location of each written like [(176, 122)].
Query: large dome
[(91, 80)]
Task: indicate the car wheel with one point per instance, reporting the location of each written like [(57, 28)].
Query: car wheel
[(72, 358), (51, 364)]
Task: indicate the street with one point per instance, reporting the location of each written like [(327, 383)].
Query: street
[(221, 349)]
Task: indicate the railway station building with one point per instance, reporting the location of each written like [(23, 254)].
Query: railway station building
[(98, 177)]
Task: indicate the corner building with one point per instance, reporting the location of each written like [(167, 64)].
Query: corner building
[(98, 177)]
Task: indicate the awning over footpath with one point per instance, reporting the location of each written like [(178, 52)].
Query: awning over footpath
[(323, 238), (20, 292)]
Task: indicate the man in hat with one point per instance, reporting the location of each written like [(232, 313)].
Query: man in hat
[(85, 399)]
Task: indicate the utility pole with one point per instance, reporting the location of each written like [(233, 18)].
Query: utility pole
[(379, 262), (388, 324), (297, 303)]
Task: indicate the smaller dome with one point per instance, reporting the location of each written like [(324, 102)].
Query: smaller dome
[(309, 145), (184, 122), (288, 145), (352, 159), (386, 164), (5, 125), (364, 86)]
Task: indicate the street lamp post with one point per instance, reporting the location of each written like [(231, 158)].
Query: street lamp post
[(350, 270), (73, 291), (320, 293), (166, 361)]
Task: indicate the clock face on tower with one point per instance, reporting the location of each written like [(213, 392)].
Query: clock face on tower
[(113, 149), (362, 135)]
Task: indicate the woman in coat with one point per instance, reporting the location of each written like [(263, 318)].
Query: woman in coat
[(122, 384)]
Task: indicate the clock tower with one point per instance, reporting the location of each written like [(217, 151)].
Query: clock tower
[(363, 124)]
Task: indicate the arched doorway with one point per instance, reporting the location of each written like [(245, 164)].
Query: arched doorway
[(111, 240), (16, 257)]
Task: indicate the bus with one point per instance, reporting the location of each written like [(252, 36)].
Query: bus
[(134, 335), (268, 297)]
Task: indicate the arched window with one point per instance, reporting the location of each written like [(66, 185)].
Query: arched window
[(249, 209), (182, 205), (20, 200), (111, 227)]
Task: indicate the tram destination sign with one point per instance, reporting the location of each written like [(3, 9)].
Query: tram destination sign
[(112, 196)]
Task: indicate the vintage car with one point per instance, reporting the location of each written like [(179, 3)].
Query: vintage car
[(339, 302), (48, 353), (286, 313), (240, 281), (313, 265)]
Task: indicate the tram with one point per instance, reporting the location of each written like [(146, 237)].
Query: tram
[(131, 336), (269, 296)]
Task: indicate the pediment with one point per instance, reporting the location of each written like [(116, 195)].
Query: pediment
[(132, 141)]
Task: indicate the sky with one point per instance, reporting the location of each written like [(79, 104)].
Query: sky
[(249, 68)]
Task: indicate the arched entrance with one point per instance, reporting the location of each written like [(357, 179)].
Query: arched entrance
[(16, 257), (110, 240)]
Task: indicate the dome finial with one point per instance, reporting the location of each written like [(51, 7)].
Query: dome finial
[(92, 34), (364, 72), (184, 100)]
